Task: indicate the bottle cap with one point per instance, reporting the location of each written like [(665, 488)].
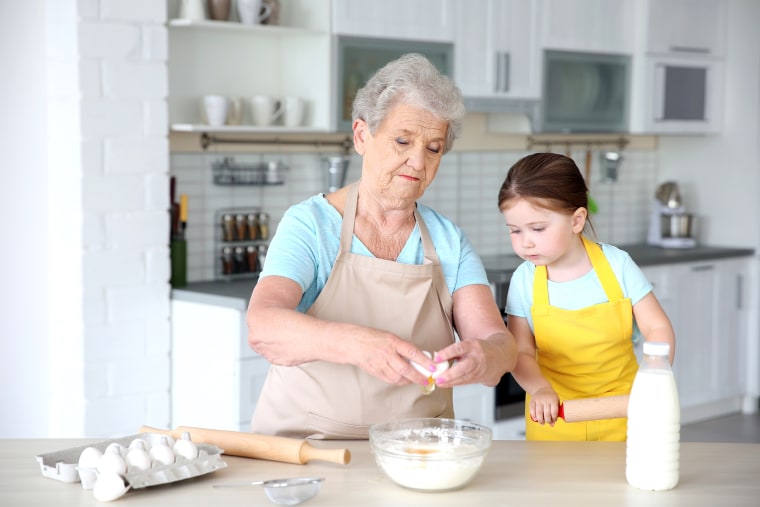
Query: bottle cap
[(656, 348)]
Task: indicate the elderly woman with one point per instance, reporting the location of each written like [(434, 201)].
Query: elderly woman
[(359, 282)]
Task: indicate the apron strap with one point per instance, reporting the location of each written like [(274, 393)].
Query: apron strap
[(603, 270)]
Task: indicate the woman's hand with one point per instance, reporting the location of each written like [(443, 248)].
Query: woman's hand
[(544, 406)]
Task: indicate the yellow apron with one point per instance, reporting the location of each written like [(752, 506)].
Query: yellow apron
[(324, 400), (584, 353)]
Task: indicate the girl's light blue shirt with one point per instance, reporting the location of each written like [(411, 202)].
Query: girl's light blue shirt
[(307, 240), (582, 292)]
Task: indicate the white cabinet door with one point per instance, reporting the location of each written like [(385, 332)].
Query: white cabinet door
[(496, 48), (730, 335), (216, 377), (706, 303), (597, 26), (687, 27), (474, 402), (427, 20)]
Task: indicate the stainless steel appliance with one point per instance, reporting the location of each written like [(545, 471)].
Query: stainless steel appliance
[(585, 92), (670, 226), (509, 399)]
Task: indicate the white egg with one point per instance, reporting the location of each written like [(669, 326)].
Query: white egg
[(138, 459), (439, 367), (89, 458), (162, 453), (138, 443), (185, 447), (109, 486), (111, 461), (119, 448)]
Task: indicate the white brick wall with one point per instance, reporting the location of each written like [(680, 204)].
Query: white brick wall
[(113, 357), (465, 190)]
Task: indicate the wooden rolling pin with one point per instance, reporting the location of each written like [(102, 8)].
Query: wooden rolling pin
[(252, 445), (592, 409)]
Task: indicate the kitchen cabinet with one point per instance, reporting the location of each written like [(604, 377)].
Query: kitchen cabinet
[(236, 60), (706, 303), (596, 26), (693, 27), (216, 376), (426, 20), (496, 48), (474, 402)]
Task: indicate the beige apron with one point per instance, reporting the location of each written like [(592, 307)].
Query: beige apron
[(328, 400), (584, 353)]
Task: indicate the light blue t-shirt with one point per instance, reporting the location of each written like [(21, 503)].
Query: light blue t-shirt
[(307, 240), (582, 292)]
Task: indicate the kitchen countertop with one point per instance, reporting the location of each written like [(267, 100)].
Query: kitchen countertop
[(236, 293), (515, 473)]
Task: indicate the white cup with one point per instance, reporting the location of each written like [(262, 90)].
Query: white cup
[(265, 110), (216, 107), (252, 12), (194, 10), (293, 109)]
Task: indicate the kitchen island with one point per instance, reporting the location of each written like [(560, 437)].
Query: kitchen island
[(515, 473)]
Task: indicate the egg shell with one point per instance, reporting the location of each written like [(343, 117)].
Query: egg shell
[(138, 459), (111, 461), (89, 458), (138, 443), (109, 486), (162, 453), (185, 447), (439, 367)]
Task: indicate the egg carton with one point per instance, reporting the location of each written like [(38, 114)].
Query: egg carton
[(63, 465)]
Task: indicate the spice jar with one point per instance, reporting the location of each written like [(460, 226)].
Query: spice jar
[(240, 226), (227, 262), (254, 231), (228, 228), (264, 225)]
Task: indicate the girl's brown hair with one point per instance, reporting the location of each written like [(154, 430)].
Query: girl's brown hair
[(549, 180)]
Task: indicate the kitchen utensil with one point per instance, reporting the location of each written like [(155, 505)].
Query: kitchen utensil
[(252, 445), (337, 167), (430, 454), (669, 195), (289, 491), (265, 110), (252, 12), (593, 207), (611, 161), (593, 409), (219, 10)]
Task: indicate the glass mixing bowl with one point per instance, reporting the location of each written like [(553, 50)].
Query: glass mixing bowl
[(430, 454)]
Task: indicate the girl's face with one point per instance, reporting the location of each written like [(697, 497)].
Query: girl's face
[(540, 235), (402, 157)]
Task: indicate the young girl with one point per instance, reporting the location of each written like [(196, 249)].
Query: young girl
[(571, 305)]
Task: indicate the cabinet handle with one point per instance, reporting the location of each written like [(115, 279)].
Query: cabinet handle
[(689, 49), (706, 267), (739, 292), (502, 72)]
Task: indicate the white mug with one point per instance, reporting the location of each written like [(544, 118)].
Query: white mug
[(293, 109), (194, 10), (265, 110), (235, 111), (215, 107), (252, 12)]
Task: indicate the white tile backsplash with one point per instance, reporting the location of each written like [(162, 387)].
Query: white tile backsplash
[(465, 190)]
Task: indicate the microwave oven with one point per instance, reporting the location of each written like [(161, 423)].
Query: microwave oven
[(682, 95), (359, 57), (584, 92)]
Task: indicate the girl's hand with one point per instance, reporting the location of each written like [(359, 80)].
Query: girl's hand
[(544, 406)]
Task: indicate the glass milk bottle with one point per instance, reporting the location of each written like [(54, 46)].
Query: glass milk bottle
[(654, 423)]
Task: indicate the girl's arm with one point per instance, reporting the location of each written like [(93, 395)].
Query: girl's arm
[(544, 403), (654, 322)]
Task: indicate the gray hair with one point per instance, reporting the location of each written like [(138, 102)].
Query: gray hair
[(411, 80)]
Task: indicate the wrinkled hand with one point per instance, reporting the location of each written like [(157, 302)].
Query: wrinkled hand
[(387, 357), (473, 362), (544, 406)]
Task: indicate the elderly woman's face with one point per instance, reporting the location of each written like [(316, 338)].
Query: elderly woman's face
[(403, 156)]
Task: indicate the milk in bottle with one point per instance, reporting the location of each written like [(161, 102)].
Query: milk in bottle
[(654, 423)]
